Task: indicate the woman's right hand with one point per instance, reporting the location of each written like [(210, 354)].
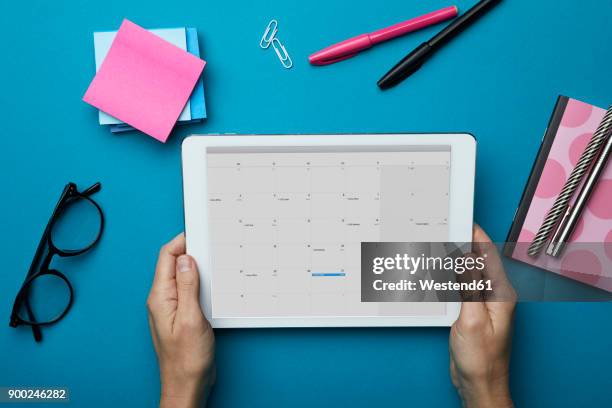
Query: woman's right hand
[(480, 339)]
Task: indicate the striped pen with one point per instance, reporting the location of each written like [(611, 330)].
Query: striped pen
[(560, 205)]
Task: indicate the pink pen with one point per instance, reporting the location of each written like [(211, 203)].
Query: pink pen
[(351, 47)]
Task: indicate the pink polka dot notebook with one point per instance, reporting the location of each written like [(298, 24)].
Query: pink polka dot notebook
[(588, 256)]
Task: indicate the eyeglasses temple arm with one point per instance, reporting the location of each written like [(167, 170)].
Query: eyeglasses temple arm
[(92, 190), (35, 329)]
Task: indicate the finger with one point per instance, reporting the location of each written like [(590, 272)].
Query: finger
[(479, 237), (469, 277), (165, 271), (188, 287), (483, 245), (503, 296)]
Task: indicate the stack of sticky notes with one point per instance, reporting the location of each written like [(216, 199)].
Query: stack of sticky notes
[(147, 80)]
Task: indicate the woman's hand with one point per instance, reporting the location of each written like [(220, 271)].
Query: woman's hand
[(183, 338), (480, 339)]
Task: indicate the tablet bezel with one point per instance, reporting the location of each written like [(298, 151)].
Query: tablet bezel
[(463, 158)]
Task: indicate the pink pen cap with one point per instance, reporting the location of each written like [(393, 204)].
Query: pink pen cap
[(352, 46)]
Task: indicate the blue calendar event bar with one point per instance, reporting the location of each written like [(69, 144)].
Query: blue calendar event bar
[(328, 274)]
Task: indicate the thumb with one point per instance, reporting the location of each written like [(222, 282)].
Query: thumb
[(187, 284)]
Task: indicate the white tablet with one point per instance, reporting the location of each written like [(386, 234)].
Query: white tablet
[(275, 222)]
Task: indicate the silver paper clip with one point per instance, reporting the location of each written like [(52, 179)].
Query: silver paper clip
[(269, 37), (282, 53), (269, 34)]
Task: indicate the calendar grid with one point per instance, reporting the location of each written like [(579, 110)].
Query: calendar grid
[(286, 227)]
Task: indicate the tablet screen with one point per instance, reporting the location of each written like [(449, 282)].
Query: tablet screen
[(286, 224)]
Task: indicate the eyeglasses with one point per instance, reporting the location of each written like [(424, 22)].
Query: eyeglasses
[(74, 228)]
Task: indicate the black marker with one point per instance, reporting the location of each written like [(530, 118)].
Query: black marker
[(413, 61)]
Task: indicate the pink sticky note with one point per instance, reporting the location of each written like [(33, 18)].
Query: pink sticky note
[(144, 81)]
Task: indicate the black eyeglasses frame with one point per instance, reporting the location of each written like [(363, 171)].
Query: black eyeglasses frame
[(40, 264)]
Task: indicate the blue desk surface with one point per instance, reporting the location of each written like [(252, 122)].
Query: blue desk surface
[(499, 81)]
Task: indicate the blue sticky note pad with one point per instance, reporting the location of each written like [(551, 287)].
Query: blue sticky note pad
[(122, 127), (198, 101)]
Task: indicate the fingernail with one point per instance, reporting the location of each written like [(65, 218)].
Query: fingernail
[(183, 263)]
